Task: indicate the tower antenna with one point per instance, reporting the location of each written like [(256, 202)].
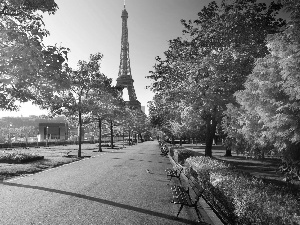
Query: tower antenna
[(124, 4)]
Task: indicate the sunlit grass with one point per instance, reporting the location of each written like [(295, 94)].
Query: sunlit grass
[(53, 156)]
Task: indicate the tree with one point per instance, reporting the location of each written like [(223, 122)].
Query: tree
[(269, 105), (139, 121), (293, 7), (26, 131), (159, 112), (74, 98), (127, 122), (26, 64), (162, 113), (206, 67), (26, 8), (108, 106)]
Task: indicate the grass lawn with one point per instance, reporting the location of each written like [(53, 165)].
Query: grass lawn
[(53, 156), (261, 168)]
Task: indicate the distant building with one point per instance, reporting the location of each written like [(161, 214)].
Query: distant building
[(53, 131), (143, 109)]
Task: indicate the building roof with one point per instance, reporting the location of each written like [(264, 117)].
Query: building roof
[(51, 124)]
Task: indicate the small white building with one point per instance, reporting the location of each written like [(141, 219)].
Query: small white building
[(53, 131)]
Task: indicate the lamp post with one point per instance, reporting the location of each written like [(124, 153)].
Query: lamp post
[(47, 136)]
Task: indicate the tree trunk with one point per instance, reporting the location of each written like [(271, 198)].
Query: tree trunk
[(180, 142), (123, 138), (100, 134), (26, 138), (208, 140), (132, 137), (129, 142), (141, 137), (111, 134), (80, 134), (210, 133), (228, 151)]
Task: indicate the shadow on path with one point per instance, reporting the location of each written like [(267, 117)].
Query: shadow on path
[(107, 202)]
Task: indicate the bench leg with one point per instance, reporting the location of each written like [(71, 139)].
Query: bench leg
[(198, 213), (179, 210)]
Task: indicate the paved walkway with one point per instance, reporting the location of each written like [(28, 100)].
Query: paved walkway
[(126, 186)]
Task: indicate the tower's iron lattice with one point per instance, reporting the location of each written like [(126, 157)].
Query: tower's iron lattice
[(124, 79)]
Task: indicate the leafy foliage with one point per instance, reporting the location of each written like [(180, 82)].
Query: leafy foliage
[(267, 116), (243, 199), (107, 105), (134, 121), (76, 89), (210, 63), (26, 64), (27, 7), (79, 92)]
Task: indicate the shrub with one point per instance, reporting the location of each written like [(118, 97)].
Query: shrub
[(18, 157), (243, 199), (182, 154)]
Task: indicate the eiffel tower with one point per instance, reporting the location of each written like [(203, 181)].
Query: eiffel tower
[(124, 79)]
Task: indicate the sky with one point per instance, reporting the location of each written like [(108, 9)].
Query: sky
[(92, 26)]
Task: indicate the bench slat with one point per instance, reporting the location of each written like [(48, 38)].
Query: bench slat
[(175, 172), (182, 195)]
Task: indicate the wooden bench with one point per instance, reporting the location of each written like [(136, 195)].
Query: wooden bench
[(187, 196), (174, 172)]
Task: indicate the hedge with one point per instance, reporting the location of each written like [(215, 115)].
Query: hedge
[(44, 143), (17, 157), (180, 154), (240, 198)]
